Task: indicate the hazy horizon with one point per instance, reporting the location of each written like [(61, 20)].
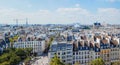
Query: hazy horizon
[(59, 11)]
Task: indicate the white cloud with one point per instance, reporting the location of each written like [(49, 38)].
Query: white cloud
[(29, 5), (61, 15), (109, 10), (109, 15), (77, 5), (112, 1), (72, 11), (71, 15)]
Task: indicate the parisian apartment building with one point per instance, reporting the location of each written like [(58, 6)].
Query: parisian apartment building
[(83, 48)]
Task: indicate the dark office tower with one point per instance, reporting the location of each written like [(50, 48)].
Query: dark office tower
[(97, 25)]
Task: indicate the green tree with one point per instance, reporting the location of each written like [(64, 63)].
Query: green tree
[(14, 59), (97, 61), (56, 61), (50, 41), (27, 60), (4, 57), (48, 44), (20, 52), (13, 56), (67, 64), (77, 63), (115, 63), (28, 51), (5, 63), (13, 39)]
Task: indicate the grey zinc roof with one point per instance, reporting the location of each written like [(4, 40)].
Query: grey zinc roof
[(59, 47)]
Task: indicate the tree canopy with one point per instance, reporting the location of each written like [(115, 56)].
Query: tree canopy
[(77, 63), (12, 56), (97, 61), (13, 38), (56, 61), (115, 63)]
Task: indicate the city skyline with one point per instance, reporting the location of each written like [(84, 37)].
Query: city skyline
[(59, 11)]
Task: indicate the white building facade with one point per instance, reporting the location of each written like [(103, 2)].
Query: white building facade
[(37, 46)]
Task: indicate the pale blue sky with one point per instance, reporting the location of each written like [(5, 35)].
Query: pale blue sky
[(60, 11)]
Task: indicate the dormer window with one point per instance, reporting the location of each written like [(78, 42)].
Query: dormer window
[(81, 48), (112, 46), (97, 49), (101, 47)]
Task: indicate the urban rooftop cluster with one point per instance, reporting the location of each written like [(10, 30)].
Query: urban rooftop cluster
[(71, 44)]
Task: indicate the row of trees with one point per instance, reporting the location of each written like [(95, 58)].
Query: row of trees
[(12, 56), (97, 61), (57, 61), (115, 63)]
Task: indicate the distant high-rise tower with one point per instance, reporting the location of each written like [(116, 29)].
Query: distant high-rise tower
[(26, 22), (16, 22)]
